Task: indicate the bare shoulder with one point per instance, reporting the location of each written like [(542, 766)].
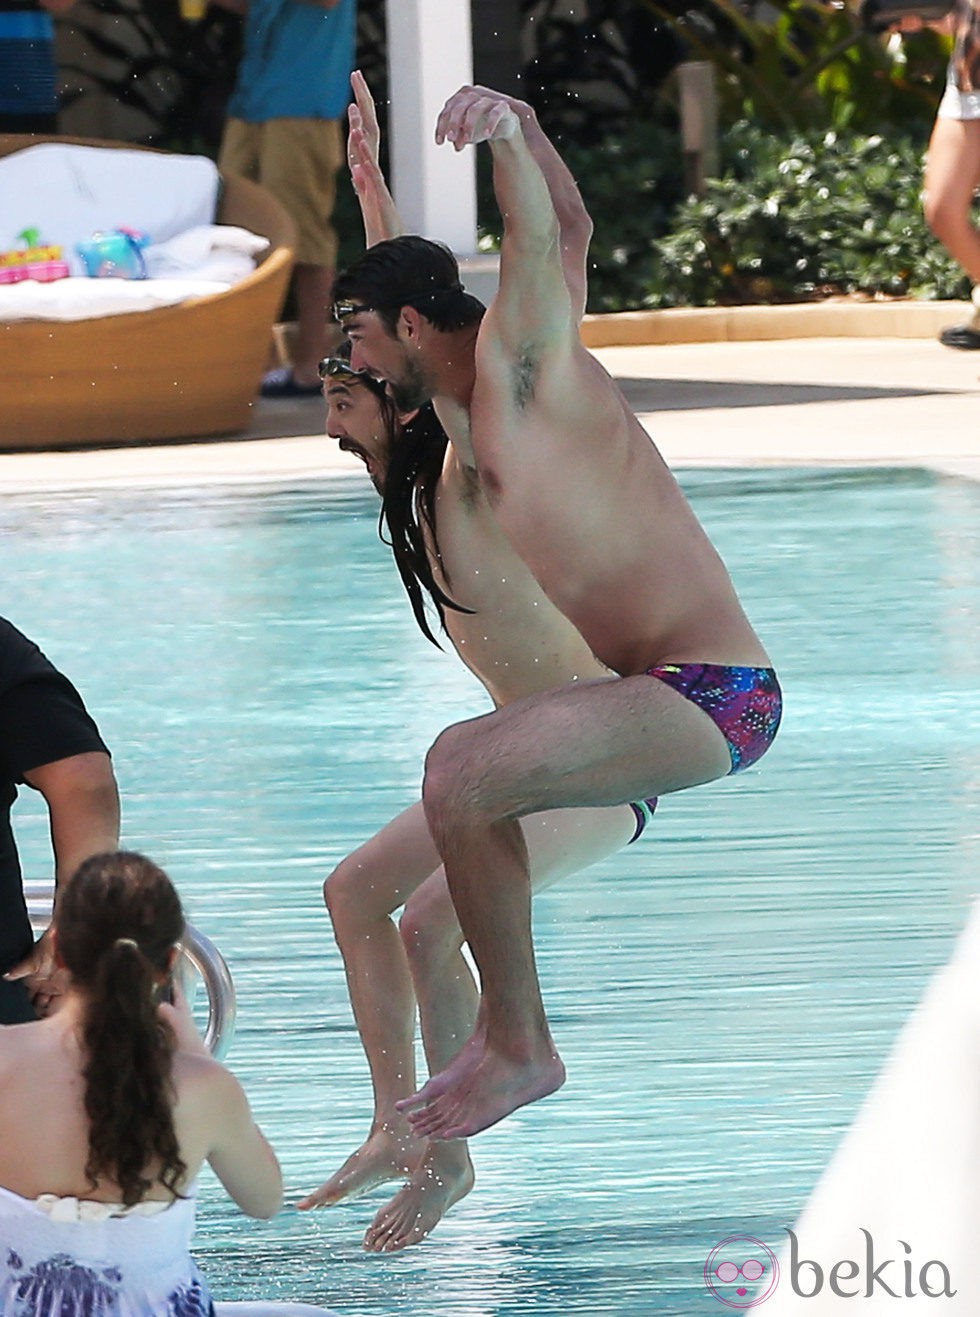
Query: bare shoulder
[(9, 1053), (211, 1105), (18, 1041), (202, 1079), (532, 367)]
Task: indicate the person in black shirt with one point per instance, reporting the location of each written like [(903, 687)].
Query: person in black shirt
[(49, 741)]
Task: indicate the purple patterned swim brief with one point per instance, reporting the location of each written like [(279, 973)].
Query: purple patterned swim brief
[(745, 704)]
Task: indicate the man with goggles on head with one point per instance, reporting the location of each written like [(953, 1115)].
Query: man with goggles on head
[(359, 414), (589, 504), (452, 554)]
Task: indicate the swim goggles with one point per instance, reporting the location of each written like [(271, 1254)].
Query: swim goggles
[(341, 310), (337, 368)]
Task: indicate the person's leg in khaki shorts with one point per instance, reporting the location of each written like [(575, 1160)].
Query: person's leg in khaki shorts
[(298, 164)]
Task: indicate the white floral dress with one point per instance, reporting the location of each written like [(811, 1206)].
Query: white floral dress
[(68, 1257)]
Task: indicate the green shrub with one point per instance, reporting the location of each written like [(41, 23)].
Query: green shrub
[(800, 217), (809, 64), (793, 217), (631, 185)]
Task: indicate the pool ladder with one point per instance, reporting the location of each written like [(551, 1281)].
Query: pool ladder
[(199, 959)]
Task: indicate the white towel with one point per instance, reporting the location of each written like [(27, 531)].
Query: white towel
[(89, 299), (208, 251)]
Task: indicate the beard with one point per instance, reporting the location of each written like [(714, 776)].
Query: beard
[(412, 391)]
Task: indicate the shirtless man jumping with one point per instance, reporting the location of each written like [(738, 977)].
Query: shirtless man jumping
[(587, 501), (517, 643)]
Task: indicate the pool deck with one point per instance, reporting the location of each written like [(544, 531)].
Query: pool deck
[(809, 401)]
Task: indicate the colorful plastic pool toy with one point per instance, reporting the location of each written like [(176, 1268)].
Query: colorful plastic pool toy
[(114, 254), (43, 264)]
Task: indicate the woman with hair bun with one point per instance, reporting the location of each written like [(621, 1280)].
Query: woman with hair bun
[(108, 1109)]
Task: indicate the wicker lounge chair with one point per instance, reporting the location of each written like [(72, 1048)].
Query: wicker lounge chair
[(184, 371)]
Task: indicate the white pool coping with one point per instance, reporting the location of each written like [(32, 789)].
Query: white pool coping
[(792, 402)]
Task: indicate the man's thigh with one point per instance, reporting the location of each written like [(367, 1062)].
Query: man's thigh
[(299, 164), (559, 843), (390, 865), (602, 742), (241, 146)]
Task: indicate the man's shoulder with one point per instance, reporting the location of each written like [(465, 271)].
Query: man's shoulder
[(527, 367), (20, 658), (511, 323)]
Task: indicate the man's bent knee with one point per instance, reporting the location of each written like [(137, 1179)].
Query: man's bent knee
[(429, 928), (452, 778)]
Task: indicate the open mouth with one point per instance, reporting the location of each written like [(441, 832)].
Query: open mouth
[(347, 446)]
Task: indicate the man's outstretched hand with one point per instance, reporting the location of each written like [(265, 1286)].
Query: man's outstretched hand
[(476, 114), (362, 118), (378, 210), (44, 981)]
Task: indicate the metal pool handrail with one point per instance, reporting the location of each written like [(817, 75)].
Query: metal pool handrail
[(199, 953)]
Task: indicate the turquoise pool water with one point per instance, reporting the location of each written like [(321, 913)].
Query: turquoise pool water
[(722, 992)]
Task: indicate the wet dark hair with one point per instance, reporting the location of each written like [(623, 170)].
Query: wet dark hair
[(416, 454), (117, 921), (410, 271)]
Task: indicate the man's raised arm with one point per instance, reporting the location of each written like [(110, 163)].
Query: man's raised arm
[(378, 209), (534, 301), (573, 219)]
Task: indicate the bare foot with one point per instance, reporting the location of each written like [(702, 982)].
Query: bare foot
[(442, 1178), (466, 1059), (480, 1086), (382, 1157)]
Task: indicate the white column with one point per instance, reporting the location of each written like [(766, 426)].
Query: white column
[(430, 55)]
